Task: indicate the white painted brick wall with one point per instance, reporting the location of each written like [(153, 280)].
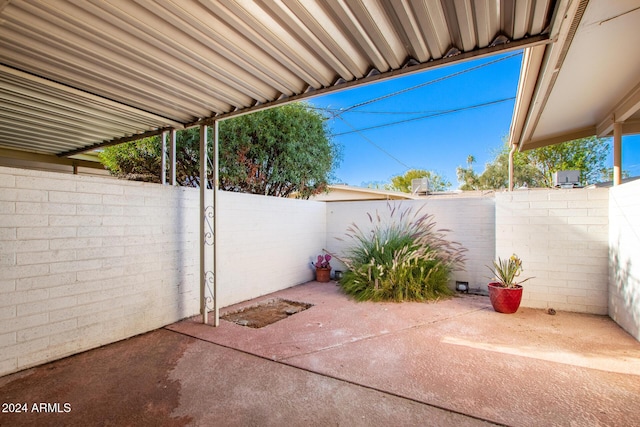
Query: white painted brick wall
[(85, 261), (624, 247), (266, 244), (561, 236), (469, 217)]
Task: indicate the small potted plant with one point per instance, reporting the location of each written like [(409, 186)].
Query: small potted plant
[(504, 292), (323, 268)]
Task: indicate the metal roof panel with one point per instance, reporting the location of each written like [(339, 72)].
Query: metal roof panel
[(577, 85), (110, 69)]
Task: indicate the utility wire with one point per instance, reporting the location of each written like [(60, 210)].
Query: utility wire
[(442, 113), (337, 113), (337, 110), (440, 79), (374, 144)]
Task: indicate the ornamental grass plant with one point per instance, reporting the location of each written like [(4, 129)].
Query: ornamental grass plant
[(402, 257)]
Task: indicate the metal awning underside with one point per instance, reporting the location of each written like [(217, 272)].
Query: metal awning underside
[(585, 81), (78, 74)]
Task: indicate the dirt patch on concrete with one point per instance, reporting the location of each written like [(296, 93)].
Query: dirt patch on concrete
[(266, 313)]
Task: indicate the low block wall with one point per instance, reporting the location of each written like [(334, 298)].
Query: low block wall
[(562, 238), (86, 261), (561, 235), (469, 217), (266, 244), (624, 247)]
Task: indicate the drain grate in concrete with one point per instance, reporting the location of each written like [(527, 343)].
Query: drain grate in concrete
[(266, 313)]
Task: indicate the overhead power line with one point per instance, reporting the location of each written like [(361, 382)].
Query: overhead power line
[(441, 113), (335, 110), (337, 113), (374, 144), (440, 79)]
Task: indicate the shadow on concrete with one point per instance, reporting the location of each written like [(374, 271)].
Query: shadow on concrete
[(340, 362)]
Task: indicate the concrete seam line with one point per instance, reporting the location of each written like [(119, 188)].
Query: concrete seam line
[(343, 380), (368, 337)]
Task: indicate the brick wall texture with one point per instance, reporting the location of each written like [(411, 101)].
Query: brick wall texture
[(624, 247), (562, 238), (86, 261), (470, 220)]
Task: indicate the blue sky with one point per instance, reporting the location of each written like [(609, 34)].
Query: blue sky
[(459, 125)]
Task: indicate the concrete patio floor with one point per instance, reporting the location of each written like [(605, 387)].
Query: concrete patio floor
[(340, 362)]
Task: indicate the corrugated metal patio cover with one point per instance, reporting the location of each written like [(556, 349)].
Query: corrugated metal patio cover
[(76, 74), (567, 91)]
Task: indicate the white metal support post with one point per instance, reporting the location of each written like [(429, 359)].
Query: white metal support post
[(208, 227), (203, 201), (617, 153), (216, 307), (163, 162), (172, 158)]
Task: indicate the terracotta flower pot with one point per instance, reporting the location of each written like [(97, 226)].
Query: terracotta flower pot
[(505, 300), (323, 274)]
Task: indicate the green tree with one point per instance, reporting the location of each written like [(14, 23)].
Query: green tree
[(137, 161), (467, 176), (403, 182), (586, 155), (496, 173), (276, 152), (606, 174), (535, 168)]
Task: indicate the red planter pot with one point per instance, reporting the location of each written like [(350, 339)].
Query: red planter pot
[(505, 300), (323, 274)]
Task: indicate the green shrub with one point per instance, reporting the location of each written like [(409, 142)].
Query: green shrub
[(403, 258)]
